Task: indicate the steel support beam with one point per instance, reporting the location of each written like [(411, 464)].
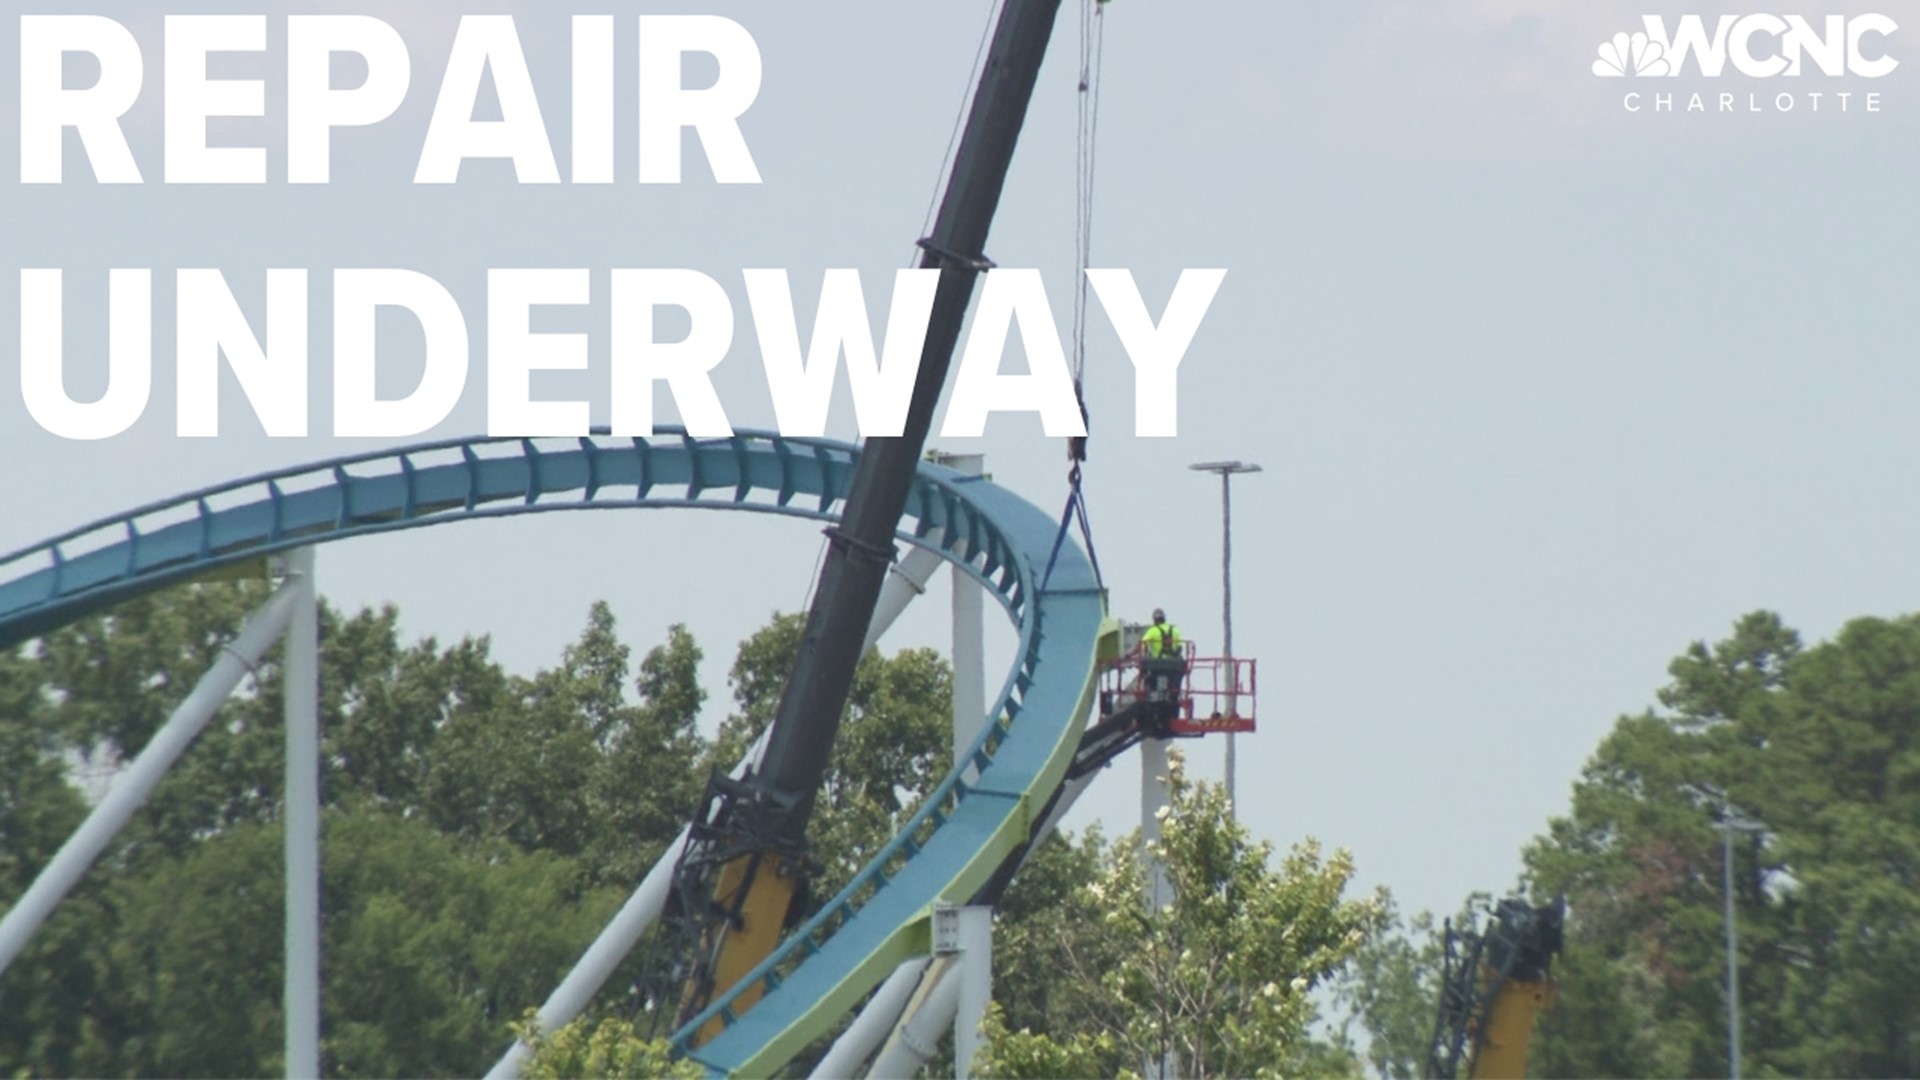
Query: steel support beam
[(976, 984), (969, 633), (1153, 801), (133, 786), (301, 690), (913, 1043), (874, 1022)]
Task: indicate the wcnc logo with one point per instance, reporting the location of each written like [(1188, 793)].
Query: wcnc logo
[(1760, 46)]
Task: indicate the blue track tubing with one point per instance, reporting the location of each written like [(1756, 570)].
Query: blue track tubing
[(946, 852)]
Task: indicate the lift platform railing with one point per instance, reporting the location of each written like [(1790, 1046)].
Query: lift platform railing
[(1216, 694)]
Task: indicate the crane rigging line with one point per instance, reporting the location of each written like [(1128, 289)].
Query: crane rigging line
[(959, 120), (1092, 59), (1092, 63)]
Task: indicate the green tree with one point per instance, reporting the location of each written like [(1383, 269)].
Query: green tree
[(892, 749), (437, 948), (1820, 749), (1219, 982), (471, 819), (605, 1051), (1050, 922), (648, 780), (40, 1021), (1390, 990)]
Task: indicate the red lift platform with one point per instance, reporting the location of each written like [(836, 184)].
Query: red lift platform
[(1182, 697), (1179, 697)]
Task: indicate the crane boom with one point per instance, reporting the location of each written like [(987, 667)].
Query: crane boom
[(743, 875)]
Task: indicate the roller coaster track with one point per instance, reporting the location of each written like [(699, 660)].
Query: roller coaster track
[(978, 817)]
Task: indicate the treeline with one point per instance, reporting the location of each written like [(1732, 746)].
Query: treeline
[(1811, 757), (479, 829)]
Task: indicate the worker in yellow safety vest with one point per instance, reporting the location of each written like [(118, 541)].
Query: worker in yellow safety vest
[(1164, 666), (1162, 638)]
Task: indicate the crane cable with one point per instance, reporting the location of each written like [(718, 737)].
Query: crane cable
[(1092, 62), (974, 72)]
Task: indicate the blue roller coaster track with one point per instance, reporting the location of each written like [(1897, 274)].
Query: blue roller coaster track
[(977, 818)]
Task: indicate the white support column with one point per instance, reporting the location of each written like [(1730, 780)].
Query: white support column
[(969, 631), (570, 998), (641, 910), (863, 1036), (976, 984), (302, 699), (906, 581), (969, 663), (914, 1041), (1153, 800), (133, 786)]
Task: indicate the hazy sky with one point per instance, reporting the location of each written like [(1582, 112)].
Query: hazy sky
[(1544, 390)]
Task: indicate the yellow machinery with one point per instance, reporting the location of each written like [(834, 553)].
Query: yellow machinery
[(1495, 982)]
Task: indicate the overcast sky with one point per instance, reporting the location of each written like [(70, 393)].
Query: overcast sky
[(1544, 389)]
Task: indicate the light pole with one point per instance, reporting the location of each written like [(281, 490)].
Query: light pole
[(1226, 471), (1729, 824)]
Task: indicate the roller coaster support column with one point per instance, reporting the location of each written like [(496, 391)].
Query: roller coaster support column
[(757, 887), (873, 1023), (1153, 804), (969, 628), (973, 940), (906, 582), (913, 1043), (302, 697), (138, 781)]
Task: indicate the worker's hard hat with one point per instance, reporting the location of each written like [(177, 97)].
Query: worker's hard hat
[(1159, 616)]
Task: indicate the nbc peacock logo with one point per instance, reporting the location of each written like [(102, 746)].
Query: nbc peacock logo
[(1762, 46), (1635, 54), (1758, 46)]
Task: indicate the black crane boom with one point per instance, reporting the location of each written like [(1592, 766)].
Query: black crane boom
[(862, 544), (747, 860)]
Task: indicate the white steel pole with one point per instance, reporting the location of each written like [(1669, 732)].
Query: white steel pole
[(916, 1039), (1733, 952), (133, 786), (640, 911), (604, 955), (302, 700), (864, 1035), (1729, 824), (1226, 618), (1153, 801), (1227, 470), (906, 581), (969, 629), (976, 984)]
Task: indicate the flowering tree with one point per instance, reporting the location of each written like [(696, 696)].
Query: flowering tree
[(609, 1049), (1217, 983)]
